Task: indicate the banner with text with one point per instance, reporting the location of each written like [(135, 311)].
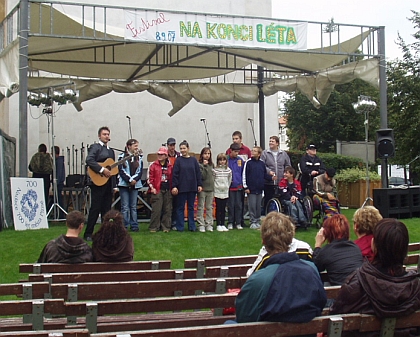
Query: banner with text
[(211, 30), (29, 209)]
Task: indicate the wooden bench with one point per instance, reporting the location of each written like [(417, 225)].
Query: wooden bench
[(51, 333), (412, 261), (333, 325), (50, 268), (25, 290), (129, 314)]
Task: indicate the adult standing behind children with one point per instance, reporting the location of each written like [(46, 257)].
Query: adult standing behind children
[(172, 155), (205, 197), (69, 248), (310, 166), (129, 183), (222, 179), (41, 165), (101, 196), (186, 182), (235, 203), (254, 176), (244, 151), (160, 180), (275, 161), (112, 243)]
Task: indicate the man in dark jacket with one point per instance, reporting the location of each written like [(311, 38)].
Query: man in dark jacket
[(284, 288), (69, 248), (311, 166)]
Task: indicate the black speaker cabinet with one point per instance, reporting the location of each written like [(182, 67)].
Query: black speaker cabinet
[(397, 202), (385, 146)]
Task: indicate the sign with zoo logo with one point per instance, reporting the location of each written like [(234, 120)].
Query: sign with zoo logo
[(29, 208)]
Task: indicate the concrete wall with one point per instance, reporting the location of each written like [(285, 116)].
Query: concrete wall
[(150, 123)]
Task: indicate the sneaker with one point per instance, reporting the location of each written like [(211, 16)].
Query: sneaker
[(255, 226), (239, 227), (88, 238), (230, 226), (220, 228), (209, 228), (174, 228), (152, 230), (225, 229), (202, 229), (166, 230)]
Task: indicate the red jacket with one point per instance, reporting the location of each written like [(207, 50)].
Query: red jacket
[(155, 175)]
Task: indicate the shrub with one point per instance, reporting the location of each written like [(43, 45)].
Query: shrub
[(351, 175)]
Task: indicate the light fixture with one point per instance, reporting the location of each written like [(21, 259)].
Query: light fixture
[(61, 94), (364, 104)]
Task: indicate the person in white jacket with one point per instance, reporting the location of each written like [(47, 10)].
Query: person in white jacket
[(222, 178)]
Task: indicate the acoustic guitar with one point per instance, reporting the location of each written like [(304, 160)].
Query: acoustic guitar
[(99, 179)]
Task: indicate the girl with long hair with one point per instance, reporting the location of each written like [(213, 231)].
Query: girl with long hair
[(205, 197)]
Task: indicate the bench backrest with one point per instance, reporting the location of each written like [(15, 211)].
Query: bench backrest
[(25, 290), (53, 333), (40, 268)]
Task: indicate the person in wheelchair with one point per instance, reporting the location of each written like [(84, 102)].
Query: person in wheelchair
[(310, 166), (325, 193), (291, 197)]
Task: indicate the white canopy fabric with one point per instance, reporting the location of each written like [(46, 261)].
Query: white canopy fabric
[(99, 63)]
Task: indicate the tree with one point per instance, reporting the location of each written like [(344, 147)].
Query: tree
[(404, 99), (337, 120)]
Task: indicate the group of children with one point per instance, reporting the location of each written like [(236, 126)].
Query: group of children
[(225, 182)]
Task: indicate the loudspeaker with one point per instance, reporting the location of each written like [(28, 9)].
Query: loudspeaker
[(385, 147)]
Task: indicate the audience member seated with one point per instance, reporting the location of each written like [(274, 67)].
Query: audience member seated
[(383, 287), (69, 248), (340, 257), (263, 296), (325, 193), (112, 242), (365, 219)]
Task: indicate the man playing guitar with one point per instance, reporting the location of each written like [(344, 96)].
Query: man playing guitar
[(101, 196)]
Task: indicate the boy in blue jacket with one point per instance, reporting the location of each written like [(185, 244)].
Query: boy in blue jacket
[(236, 164), (254, 177)]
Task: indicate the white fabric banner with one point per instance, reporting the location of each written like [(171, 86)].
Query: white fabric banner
[(212, 30), (29, 208)]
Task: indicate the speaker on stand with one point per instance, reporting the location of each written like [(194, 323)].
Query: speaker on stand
[(385, 146)]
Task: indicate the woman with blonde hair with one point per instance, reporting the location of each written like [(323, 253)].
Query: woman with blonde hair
[(365, 220), (112, 242)]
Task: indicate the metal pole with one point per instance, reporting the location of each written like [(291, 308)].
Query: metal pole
[(383, 98), (260, 71), (23, 87)]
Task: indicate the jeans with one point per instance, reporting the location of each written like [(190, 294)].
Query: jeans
[(183, 197), (235, 207), (254, 208), (129, 206), (296, 211)]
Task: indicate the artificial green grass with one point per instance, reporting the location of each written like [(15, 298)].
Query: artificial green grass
[(25, 246)]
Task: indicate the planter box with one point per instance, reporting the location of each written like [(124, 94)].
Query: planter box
[(353, 195)]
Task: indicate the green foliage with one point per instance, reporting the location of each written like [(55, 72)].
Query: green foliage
[(335, 120), (352, 175), (337, 161), (404, 99)]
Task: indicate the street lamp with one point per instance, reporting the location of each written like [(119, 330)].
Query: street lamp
[(365, 105)]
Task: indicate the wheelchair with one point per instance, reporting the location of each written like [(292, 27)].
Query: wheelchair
[(275, 205)]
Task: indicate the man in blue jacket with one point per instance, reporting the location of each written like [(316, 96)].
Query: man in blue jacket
[(283, 288)]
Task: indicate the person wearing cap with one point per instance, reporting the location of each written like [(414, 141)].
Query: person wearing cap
[(325, 192), (129, 183), (310, 166), (172, 155), (160, 182)]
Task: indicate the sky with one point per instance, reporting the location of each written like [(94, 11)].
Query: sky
[(391, 14)]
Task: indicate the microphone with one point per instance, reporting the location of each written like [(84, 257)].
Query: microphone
[(202, 119), (250, 119), (128, 117)]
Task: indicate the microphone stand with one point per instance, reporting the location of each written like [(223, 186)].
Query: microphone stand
[(251, 121), (207, 133), (129, 127)]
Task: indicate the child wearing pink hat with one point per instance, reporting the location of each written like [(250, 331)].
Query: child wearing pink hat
[(160, 182)]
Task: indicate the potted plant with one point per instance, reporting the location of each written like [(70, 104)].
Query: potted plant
[(351, 186)]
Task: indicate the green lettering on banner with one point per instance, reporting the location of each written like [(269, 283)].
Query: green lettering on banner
[(210, 30), (260, 37), (243, 33), (232, 31), (185, 29), (221, 31), (270, 32), (291, 36), (280, 30), (197, 31)]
